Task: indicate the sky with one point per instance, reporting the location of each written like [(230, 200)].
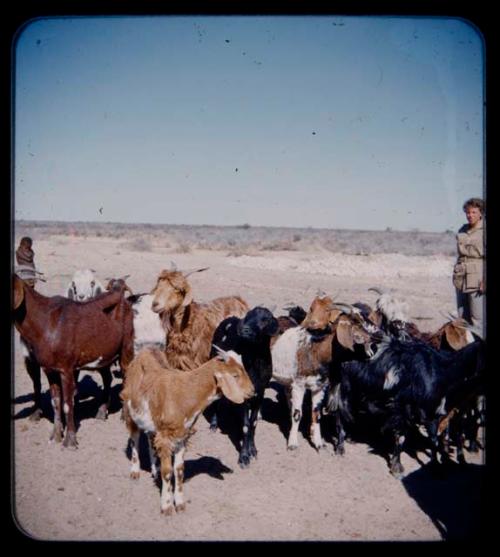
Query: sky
[(303, 121)]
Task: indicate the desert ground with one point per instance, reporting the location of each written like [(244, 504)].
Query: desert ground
[(86, 494)]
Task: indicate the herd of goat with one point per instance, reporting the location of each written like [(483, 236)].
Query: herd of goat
[(179, 357)]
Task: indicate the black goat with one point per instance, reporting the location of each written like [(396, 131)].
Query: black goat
[(406, 383), (250, 337), (296, 314)]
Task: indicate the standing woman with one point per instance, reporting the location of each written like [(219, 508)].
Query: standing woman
[(468, 273)]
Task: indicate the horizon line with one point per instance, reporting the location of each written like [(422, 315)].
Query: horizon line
[(238, 226)]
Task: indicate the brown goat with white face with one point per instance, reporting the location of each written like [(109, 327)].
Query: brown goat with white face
[(189, 325), (67, 336), (166, 403)]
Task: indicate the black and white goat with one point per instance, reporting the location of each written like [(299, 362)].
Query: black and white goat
[(249, 337), (406, 383)]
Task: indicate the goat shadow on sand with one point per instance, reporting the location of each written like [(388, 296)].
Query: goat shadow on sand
[(453, 500), (192, 467), (230, 416), (87, 401)]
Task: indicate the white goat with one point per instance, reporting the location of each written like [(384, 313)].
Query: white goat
[(83, 286), (148, 327)]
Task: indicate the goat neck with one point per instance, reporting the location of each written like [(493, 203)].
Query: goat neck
[(25, 315), (178, 319)]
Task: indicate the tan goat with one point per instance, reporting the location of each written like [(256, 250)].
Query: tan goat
[(189, 325), (166, 403)]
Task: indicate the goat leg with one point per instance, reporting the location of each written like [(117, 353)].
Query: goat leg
[(179, 503), (250, 416), (55, 396), (211, 413), (102, 412), (315, 433), (395, 466), (166, 499), (296, 398), (33, 369), (68, 392), (339, 433)]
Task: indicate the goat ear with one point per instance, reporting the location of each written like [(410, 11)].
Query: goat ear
[(375, 317), (70, 294), (344, 334), (334, 313), (98, 290), (18, 292), (229, 387), (456, 337)]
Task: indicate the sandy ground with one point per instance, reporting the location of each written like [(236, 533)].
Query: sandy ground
[(61, 494)]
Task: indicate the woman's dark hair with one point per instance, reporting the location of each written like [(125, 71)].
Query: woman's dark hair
[(475, 202), (26, 241)]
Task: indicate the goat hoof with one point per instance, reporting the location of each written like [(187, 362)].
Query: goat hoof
[(102, 413), (292, 447), (36, 415), (397, 470), (180, 508), (168, 511), (244, 461), (134, 475), (213, 428), (339, 451), (70, 441), (56, 437)]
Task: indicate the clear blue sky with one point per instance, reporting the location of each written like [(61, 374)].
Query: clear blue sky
[(330, 122)]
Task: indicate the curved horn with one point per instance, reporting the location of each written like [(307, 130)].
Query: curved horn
[(195, 271), (378, 290), (347, 308), (320, 293), (173, 266)]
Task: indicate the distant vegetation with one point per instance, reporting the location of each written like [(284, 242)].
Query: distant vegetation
[(246, 239)]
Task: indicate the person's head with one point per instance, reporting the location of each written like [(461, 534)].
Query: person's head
[(26, 242), (474, 210)]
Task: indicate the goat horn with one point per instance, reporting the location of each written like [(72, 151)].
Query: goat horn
[(173, 266), (222, 353), (195, 271), (347, 308), (376, 289), (320, 293), (272, 308)]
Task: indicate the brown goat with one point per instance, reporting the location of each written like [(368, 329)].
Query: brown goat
[(303, 357), (66, 336), (166, 403), (189, 325)]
